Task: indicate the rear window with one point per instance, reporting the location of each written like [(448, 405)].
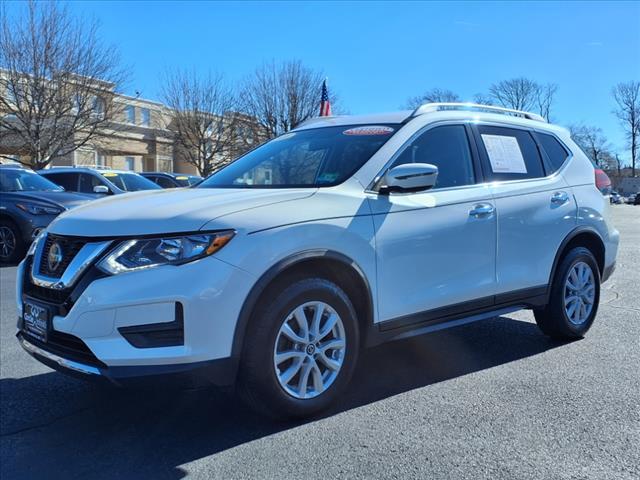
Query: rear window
[(69, 181), (556, 153), (510, 154)]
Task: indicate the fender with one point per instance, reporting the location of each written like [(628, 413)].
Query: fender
[(572, 234), (262, 283)]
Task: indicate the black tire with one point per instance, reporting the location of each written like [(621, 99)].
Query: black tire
[(553, 319), (11, 243), (258, 384)]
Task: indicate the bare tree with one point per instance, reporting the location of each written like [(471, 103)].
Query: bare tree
[(627, 96), (483, 99), (524, 94), (57, 82), (203, 118), (435, 95), (592, 141), (280, 96), (544, 99)]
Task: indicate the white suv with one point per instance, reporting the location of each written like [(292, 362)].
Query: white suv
[(344, 233)]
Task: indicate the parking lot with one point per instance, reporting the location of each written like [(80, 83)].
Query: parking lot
[(495, 399)]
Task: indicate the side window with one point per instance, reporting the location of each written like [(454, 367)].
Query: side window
[(164, 182), (556, 153), (68, 181), (87, 182), (447, 148), (511, 154)]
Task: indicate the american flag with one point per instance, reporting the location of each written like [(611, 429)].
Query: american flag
[(325, 106)]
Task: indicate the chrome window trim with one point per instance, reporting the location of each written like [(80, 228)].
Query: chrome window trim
[(85, 257), (371, 187)]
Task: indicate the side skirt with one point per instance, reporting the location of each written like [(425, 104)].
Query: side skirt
[(456, 315)]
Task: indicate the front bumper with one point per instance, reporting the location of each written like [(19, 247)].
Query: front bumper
[(221, 372), (100, 318)]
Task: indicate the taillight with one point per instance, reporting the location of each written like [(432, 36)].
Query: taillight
[(603, 182)]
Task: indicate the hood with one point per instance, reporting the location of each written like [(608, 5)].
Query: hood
[(66, 200), (153, 212)]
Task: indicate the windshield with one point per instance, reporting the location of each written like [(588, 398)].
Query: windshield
[(25, 181), (187, 180), (130, 182), (319, 157)]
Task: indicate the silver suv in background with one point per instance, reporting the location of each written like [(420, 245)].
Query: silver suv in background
[(98, 181)]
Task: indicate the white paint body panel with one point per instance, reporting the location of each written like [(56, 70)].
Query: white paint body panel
[(418, 251)]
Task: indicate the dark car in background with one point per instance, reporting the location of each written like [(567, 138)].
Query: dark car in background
[(28, 203), (98, 181), (172, 180), (615, 198)]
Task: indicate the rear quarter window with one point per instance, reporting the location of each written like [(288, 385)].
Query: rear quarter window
[(556, 153)]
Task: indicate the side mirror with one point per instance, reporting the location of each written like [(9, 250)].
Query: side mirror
[(101, 189), (410, 177)]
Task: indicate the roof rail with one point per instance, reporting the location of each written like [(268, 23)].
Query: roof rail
[(439, 107)]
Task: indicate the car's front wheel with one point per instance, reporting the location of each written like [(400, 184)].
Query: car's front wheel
[(11, 245), (300, 350)]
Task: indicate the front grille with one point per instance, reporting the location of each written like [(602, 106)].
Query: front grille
[(70, 247), (66, 346), (46, 294)]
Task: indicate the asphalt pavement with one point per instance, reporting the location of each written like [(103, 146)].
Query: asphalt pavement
[(490, 400)]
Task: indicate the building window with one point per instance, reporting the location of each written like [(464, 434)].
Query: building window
[(145, 116), (130, 114), (129, 163), (98, 106), (100, 160)]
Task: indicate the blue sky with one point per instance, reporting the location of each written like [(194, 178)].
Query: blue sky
[(376, 54)]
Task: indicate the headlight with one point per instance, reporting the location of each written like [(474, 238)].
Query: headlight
[(138, 254), (39, 209)]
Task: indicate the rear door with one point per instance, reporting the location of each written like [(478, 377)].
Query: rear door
[(535, 209)]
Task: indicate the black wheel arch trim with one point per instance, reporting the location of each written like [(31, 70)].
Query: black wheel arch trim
[(570, 236), (263, 282)]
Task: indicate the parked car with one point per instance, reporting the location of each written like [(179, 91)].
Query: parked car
[(631, 199), (98, 181), (616, 198), (172, 180), (28, 203), (344, 233), (636, 199)]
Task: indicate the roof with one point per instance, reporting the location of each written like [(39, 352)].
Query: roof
[(439, 111), (85, 169), (171, 174)]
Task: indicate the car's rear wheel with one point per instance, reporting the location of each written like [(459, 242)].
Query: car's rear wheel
[(300, 350), (574, 298), (11, 244)]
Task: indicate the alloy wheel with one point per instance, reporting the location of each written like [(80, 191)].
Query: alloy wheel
[(579, 293), (309, 350), (7, 242)]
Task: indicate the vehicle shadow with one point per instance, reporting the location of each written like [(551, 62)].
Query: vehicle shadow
[(55, 426)]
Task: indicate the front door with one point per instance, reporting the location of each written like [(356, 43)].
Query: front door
[(436, 249)]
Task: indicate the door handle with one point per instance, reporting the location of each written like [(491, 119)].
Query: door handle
[(482, 210), (559, 198)]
